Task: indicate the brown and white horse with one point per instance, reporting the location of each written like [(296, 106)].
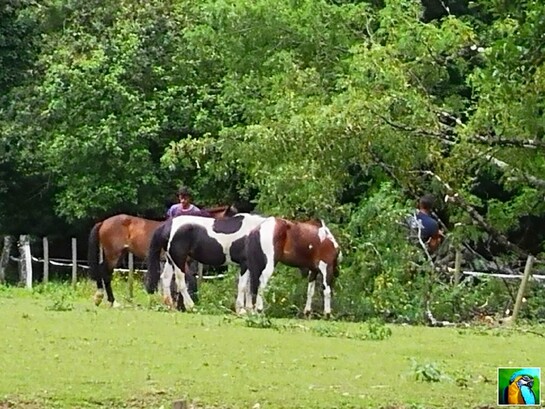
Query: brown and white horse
[(306, 245), (121, 233)]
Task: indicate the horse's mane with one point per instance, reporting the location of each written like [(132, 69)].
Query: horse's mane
[(313, 222), (215, 208)]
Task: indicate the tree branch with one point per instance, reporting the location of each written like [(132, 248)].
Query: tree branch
[(452, 140), (440, 136), (449, 137), (449, 120), (506, 167)]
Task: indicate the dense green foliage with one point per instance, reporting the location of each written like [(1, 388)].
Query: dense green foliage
[(345, 110)]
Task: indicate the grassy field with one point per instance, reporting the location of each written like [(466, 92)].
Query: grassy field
[(58, 351)]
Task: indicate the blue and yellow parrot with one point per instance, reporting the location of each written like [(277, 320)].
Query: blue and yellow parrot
[(519, 391)]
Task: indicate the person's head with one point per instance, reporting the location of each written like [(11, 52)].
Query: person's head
[(426, 203), (184, 196)]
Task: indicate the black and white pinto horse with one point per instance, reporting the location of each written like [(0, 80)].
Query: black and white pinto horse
[(307, 245), (214, 242)]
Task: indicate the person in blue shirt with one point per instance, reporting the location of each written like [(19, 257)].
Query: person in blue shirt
[(185, 207), (427, 224)]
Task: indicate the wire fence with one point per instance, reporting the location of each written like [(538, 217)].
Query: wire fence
[(25, 260)]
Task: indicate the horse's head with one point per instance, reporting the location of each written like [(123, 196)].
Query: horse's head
[(230, 211), (220, 212)]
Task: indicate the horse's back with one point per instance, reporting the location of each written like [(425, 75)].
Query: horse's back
[(303, 234), (127, 224), (125, 231), (304, 244), (185, 220), (241, 223)]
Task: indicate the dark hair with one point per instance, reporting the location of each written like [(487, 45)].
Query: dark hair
[(183, 191), (426, 202)]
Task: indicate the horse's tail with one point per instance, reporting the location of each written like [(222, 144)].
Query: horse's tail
[(255, 259), (159, 241), (93, 252)]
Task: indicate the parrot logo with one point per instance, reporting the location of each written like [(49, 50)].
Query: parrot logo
[(519, 391)]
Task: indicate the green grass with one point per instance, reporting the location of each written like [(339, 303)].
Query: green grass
[(58, 351)]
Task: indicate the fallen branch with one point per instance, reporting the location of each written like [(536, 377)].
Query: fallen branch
[(433, 322)]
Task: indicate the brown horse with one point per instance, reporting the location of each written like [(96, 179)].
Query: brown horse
[(310, 246), (121, 233)]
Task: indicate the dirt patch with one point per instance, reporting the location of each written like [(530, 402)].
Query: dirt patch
[(24, 404)]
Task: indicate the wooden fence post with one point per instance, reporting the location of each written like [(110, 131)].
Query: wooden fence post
[(131, 274), (520, 294), (457, 266), (200, 268), (25, 261), (46, 260), (74, 261), (28, 262), (4, 258)]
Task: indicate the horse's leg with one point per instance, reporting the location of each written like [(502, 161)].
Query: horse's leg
[(327, 289), (263, 280), (102, 268), (310, 292), (182, 289), (191, 268), (192, 286), (103, 272), (166, 279), (99, 294), (110, 260), (247, 296), (178, 256), (109, 291), (243, 295)]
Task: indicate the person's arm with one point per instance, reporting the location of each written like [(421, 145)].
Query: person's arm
[(197, 211), (204, 213), (170, 211)]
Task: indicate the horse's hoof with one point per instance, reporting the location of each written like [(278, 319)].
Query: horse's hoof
[(98, 297), (168, 302), (307, 313), (327, 315), (241, 311), (190, 306), (115, 304)]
